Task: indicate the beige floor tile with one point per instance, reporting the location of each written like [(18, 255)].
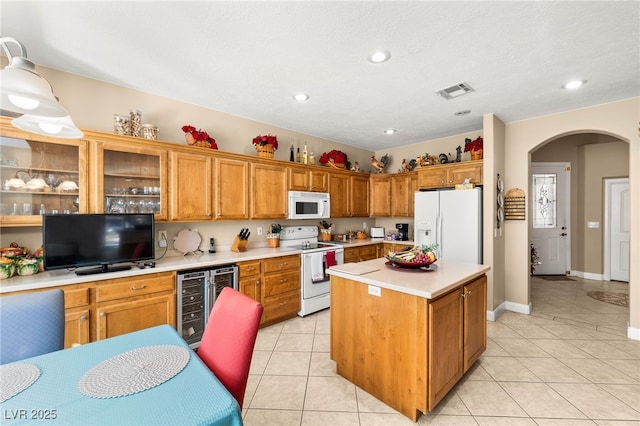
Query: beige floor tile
[(504, 421), (306, 325), (387, 419), (539, 400), (321, 365), (564, 422), (629, 394), (289, 342), (368, 403), (551, 370), (280, 392), (497, 329), (565, 331), (595, 402), (451, 404), (476, 372), (617, 423), (520, 347), (631, 367), (329, 418), (493, 349), (289, 364), (250, 390), (631, 347), (507, 369), (488, 399), (532, 331), (447, 420), (259, 361), (321, 343), (255, 417), (330, 394), (559, 348), (597, 371), (601, 349), (266, 340)]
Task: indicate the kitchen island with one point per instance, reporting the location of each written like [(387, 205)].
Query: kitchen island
[(407, 336)]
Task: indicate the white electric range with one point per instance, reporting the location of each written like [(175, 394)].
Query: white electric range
[(316, 258)]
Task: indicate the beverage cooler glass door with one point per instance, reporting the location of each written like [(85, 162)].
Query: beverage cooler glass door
[(221, 277), (191, 306)]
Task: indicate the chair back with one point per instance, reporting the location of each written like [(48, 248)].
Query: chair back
[(228, 340), (31, 324)]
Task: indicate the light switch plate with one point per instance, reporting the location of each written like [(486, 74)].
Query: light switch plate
[(593, 224), (374, 291)]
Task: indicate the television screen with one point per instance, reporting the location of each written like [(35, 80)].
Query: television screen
[(78, 240)]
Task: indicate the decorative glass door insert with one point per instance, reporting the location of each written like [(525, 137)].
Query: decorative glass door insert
[(544, 200)]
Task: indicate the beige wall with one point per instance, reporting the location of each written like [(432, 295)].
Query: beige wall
[(618, 119)]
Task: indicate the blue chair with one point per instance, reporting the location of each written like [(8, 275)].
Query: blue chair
[(31, 324)]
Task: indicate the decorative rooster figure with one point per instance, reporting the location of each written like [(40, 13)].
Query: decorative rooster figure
[(355, 167), (407, 167), (379, 165)]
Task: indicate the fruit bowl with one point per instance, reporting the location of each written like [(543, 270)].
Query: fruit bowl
[(408, 265)]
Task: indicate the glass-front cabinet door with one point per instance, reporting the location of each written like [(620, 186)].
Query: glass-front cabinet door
[(131, 179), (40, 175)]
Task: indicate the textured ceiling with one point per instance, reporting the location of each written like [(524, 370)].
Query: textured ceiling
[(250, 58)]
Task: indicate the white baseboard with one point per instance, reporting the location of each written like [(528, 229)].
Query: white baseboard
[(633, 333), (508, 306), (588, 275)]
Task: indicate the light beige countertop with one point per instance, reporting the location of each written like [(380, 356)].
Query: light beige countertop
[(176, 263), (428, 284), (368, 241)]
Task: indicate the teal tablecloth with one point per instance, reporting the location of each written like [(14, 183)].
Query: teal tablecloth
[(192, 397)]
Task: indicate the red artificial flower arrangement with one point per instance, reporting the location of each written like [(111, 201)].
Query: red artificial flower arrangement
[(200, 137), (335, 156), (266, 140), (473, 145)]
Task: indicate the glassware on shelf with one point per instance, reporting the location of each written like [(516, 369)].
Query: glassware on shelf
[(135, 117), (121, 124)]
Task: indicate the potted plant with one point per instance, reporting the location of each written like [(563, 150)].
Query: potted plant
[(325, 230), (334, 158), (475, 147), (198, 137), (265, 145), (273, 237)]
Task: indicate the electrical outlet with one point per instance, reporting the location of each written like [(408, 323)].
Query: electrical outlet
[(162, 239), (259, 230)]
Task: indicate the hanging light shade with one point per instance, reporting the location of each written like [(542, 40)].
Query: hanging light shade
[(58, 127), (23, 90)]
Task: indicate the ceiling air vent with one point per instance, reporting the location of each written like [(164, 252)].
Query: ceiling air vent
[(455, 90)]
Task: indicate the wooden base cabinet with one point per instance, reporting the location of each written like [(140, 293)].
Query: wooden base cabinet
[(362, 253), (406, 350), (115, 319), (76, 327)]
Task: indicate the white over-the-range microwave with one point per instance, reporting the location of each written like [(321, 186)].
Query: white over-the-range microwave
[(309, 205)]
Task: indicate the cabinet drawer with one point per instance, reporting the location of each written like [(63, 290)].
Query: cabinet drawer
[(280, 263), (138, 286), (368, 252), (281, 283), (285, 305), (76, 297), (246, 269), (351, 255)]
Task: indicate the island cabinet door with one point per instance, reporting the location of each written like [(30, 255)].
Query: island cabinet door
[(445, 363), (475, 320)]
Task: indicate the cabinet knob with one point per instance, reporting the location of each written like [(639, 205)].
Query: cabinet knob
[(83, 318), (257, 282), (283, 280), (102, 314)]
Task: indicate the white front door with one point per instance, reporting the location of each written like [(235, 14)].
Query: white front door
[(618, 208), (549, 218)]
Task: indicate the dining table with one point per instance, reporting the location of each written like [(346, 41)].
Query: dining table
[(148, 377)]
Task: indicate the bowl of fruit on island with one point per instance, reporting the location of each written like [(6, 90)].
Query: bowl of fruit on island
[(415, 257)]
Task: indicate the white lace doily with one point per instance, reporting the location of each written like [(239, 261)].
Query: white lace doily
[(134, 371), (14, 378)]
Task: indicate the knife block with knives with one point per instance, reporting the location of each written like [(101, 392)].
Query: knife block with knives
[(240, 241)]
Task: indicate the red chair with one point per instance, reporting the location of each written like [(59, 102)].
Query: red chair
[(228, 340)]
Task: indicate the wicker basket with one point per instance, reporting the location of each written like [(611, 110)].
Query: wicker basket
[(265, 151), (273, 240), (476, 155), (192, 142), (325, 235), (339, 166)]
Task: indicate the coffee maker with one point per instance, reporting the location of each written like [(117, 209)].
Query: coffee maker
[(403, 231)]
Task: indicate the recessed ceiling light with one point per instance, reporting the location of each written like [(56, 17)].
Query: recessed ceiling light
[(379, 56), (574, 84), (390, 131), (301, 97), (463, 112)]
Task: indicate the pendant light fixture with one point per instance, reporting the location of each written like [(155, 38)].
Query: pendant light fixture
[(24, 91)]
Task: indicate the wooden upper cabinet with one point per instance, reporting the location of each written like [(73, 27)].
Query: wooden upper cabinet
[(26, 155), (359, 196), (448, 175), (231, 188), (401, 195), (380, 185), (307, 178), (268, 191), (130, 179), (191, 187), (339, 193)]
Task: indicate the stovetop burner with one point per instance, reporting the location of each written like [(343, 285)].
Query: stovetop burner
[(304, 238)]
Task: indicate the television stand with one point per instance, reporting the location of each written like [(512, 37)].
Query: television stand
[(103, 269)]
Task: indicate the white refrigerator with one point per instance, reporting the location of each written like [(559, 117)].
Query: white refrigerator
[(452, 219)]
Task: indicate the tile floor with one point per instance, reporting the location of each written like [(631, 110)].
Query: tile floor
[(568, 363)]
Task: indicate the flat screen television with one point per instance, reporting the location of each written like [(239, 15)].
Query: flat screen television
[(99, 241)]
